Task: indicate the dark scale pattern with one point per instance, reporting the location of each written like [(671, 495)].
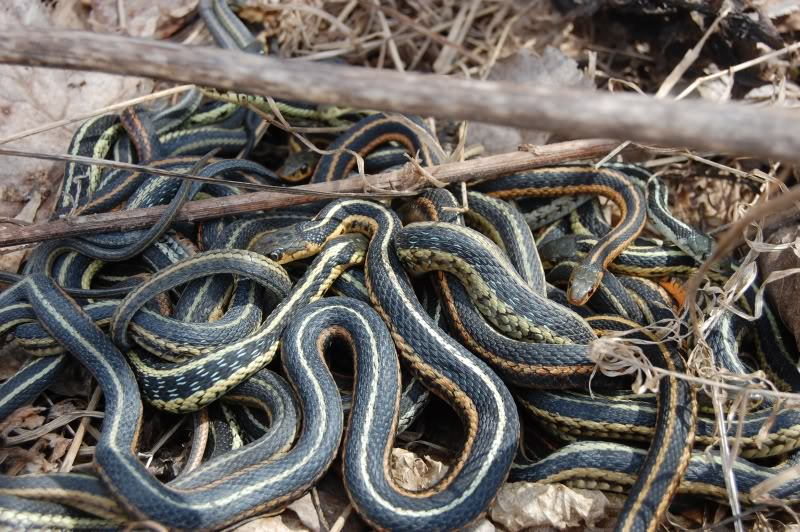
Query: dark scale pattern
[(477, 394), (471, 249)]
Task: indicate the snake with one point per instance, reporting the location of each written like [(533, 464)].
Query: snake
[(614, 467), (483, 403), (573, 180), (442, 246), (492, 290), (211, 504)]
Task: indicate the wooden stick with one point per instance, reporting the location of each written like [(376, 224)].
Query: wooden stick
[(77, 440), (472, 170), (721, 128)]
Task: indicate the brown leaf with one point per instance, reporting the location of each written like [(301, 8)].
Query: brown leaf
[(140, 18), (414, 473), (31, 97), (783, 293), (65, 407), (522, 505), (58, 446), (27, 417), (30, 460), (9, 262)]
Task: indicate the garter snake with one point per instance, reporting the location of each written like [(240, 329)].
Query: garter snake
[(506, 227), (299, 166), (655, 303), (483, 403), (267, 483), (523, 363), (691, 241), (570, 415), (518, 313), (640, 261), (229, 32), (609, 298), (365, 137), (446, 247), (227, 29), (187, 385), (573, 180), (671, 446), (191, 496), (615, 467), (487, 284)]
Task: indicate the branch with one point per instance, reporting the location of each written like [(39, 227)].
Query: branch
[(472, 170), (721, 128)]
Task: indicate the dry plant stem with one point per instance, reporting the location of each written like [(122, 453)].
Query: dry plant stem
[(691, 56), (675, 76), (69, 459), (737, 68), (55, 424), (727, 459), (138, 168), (387, 33), (338, 525), (317, 503), (404, 19), (472, 170), (727, 128), (96, 112), (734, 237), (161, 441)]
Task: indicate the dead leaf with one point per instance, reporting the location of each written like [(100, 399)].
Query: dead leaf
[(304, 509), (789, 23), (778, 8), (552, 69), (64, 408), (484, 525), (29, 461), (521, 505), (769, 93), (265, 524), (285, 522), (782, 293), (31, 97), (716, 90), (26, 417), (9, 262), (140, 18), (298, 516), (414, 473), (58, 446)]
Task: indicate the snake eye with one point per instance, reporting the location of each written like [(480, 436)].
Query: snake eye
[(274, 255)]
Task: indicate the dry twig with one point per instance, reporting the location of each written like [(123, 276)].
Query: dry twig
[(727, 128), (474, 169)]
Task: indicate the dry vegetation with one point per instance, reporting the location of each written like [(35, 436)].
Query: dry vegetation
[(743, 50)]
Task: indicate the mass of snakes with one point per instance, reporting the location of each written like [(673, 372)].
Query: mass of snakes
[(485, 300)]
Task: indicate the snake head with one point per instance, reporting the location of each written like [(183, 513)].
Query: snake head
[(583, 282), (298, 166), (284, 245), (701, 246)]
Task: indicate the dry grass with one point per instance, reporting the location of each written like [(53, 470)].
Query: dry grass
[(466, 39)]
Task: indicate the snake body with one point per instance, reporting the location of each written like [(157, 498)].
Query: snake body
[(455, 296)]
